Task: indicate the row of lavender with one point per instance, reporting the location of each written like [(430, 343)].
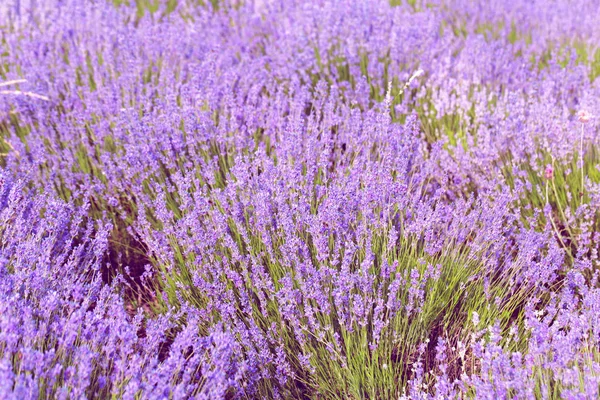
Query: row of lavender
[(350, 199)]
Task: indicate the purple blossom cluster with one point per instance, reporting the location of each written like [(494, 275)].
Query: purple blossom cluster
[(299, 199), (66, 334)]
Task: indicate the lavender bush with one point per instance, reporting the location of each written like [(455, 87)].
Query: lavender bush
[(299, 199)]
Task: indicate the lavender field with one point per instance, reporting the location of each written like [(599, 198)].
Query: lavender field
[(299, 199)]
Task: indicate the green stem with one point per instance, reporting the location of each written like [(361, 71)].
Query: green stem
[(581, 160)]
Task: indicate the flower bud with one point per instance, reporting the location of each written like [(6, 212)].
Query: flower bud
[(548, 172)]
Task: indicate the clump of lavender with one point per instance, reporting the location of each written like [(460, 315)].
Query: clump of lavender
[(63, 333)]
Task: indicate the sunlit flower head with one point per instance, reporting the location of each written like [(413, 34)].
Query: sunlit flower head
[(584, 116)]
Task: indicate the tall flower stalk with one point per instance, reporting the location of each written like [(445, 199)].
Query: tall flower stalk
[(583, 117)]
